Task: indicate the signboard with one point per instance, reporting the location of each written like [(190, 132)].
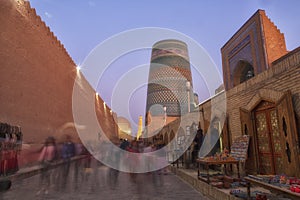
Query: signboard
[(239, 148)]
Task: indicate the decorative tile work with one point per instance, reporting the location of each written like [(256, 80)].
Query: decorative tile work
[(168, 74)]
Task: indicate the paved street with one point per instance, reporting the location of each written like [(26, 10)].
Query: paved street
[(99, 182)]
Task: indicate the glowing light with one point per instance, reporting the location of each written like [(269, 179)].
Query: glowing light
[(140, 128), (78, 68), (97, 94)]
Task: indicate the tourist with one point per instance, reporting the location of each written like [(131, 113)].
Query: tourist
[(46, 158)]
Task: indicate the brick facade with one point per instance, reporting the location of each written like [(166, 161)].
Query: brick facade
[(270, 85), (276, 75), (283, 76)]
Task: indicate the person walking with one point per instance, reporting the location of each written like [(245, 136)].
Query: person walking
[(47, 156), (133, 159), (67, 152)]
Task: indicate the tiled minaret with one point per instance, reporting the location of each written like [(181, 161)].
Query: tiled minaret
[(168, 76)]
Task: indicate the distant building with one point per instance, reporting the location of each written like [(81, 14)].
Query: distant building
[(125, 130), (140, 128)]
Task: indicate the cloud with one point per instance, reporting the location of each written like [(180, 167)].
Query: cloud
[(48, 15), (92, 3)]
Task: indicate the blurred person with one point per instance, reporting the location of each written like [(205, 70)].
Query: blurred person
[(67, 152), (161, 160), (157, 160), (148, 158), (197, 144), (47, 156), (112, 172), (133, 159), (79, 148), (148, 147), (124, 144), (79, 163)]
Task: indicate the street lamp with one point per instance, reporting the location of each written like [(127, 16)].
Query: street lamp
[(188, 88), (165, 115)]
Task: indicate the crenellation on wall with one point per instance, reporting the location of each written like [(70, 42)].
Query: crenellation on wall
[(274, 40), (24, 7), (39, 76)]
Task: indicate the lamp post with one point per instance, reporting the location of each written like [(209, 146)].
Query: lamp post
[(188, 88), (165, 115)]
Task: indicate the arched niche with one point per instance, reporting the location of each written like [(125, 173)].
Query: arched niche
[(242, 72)]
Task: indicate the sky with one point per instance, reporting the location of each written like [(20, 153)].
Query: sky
[(81, 25)]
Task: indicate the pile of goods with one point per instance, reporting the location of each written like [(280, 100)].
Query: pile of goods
[(257, 195), (283, 181), (223, 181), (294, 185), (224, 156)]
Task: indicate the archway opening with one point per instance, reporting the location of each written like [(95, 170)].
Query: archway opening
[(243, 72)]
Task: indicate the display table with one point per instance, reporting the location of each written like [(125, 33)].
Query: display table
[(207, 163), (273, 188)]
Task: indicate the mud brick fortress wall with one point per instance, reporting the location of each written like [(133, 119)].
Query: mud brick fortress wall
[(37, 77)]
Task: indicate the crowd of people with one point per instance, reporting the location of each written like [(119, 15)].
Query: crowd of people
[(135, 159), (136, 154), (52, 152), (132, 156)]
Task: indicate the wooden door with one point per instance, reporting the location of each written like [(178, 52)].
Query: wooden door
[(269, 143), (288, 130)]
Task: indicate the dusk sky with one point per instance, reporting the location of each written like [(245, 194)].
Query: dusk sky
[(81, 25)]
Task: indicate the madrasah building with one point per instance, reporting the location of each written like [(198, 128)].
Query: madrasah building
[(262, 91)]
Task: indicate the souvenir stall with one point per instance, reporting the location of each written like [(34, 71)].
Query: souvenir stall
[(281, 185), (10, 147), (236, 157)]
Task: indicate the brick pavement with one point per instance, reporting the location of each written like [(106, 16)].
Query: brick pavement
[(97, 182)]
